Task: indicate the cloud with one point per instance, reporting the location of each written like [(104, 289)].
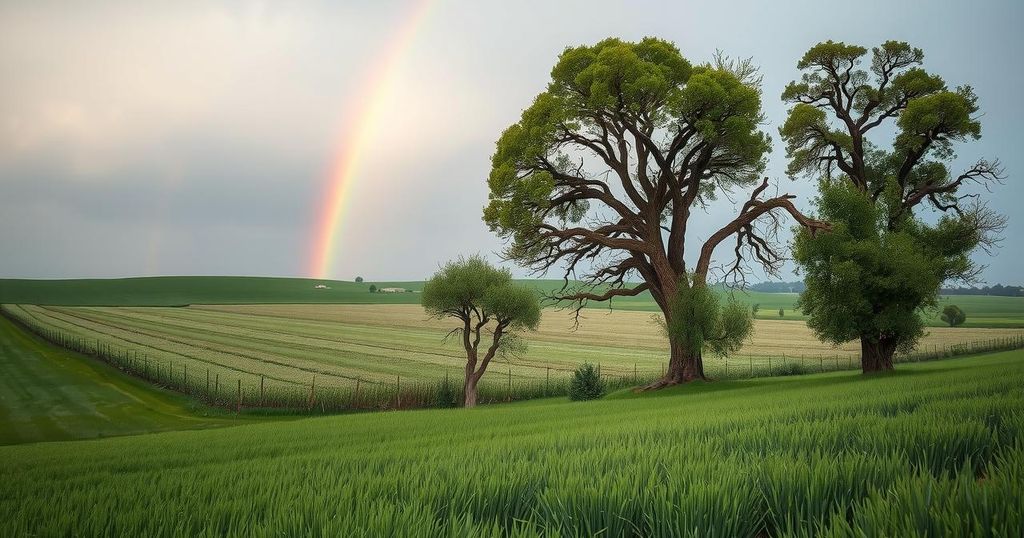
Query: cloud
[(198, 137)]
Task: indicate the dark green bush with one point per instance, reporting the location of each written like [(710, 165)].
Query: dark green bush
[(447, 395), (791, 368), (586, 383)]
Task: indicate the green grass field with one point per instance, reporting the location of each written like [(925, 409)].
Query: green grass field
[(933, 449), (48, 393), (982, 311)]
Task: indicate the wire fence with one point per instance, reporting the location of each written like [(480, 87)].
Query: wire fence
[(242, 391)]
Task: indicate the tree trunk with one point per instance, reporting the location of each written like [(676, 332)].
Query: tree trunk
[(470, 390), (876, 353), (682, 367)]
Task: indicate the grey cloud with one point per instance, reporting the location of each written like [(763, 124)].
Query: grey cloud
[(197, 138)]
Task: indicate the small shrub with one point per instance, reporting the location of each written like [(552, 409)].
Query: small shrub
[(782, 313), (586, 383), (373, 288), (446, 395), (791, 368), (359, 279)]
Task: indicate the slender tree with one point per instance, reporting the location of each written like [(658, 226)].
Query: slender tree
[(601, 175), (871, 279), (484, 300)]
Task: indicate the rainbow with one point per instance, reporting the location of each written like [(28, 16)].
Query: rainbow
[(346, 166)]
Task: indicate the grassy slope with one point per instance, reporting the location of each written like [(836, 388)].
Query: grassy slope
[(47, 393), (982, 311), (832, 453)]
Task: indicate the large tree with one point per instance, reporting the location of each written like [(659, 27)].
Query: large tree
[(602, 173), (485, 301), (881, 141)]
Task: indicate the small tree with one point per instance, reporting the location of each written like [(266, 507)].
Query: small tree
[(483, 298), (373, 288), (586, 383), (782, 313), (953, 315), (359, 279), (754, 309)]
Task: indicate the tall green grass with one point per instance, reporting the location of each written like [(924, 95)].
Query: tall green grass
[(936, 449)]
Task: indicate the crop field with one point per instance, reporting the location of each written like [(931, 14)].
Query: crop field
[(935, 449), (339, 344)]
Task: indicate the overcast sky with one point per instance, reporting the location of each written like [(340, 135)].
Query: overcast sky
[(198, 137)]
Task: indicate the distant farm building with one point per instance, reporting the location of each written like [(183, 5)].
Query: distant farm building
[(392, 290)]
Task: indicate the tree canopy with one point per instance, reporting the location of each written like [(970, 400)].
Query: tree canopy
[(953, 315), (603, 171)]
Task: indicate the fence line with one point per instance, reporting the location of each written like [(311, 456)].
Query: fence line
[(249, 391)]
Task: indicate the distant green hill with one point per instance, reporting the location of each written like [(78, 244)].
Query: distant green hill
[(183, 290)]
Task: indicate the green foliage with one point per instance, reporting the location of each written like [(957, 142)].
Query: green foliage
[(359, 279), (754, 308), (701, 323), (373, 288), (586, 383), (447, 394), (864, 280), (782, 312), (953, 315), (469, 284), (623, 80)]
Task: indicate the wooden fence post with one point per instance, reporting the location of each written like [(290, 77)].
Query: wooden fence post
[(398, 393), (239, 410), (261, 391)]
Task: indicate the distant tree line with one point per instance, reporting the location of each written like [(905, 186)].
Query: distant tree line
[(779, 287), (998, 289)]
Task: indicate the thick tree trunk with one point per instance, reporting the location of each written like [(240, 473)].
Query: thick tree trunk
[(682, 367), (876, 353), (470, 391)]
